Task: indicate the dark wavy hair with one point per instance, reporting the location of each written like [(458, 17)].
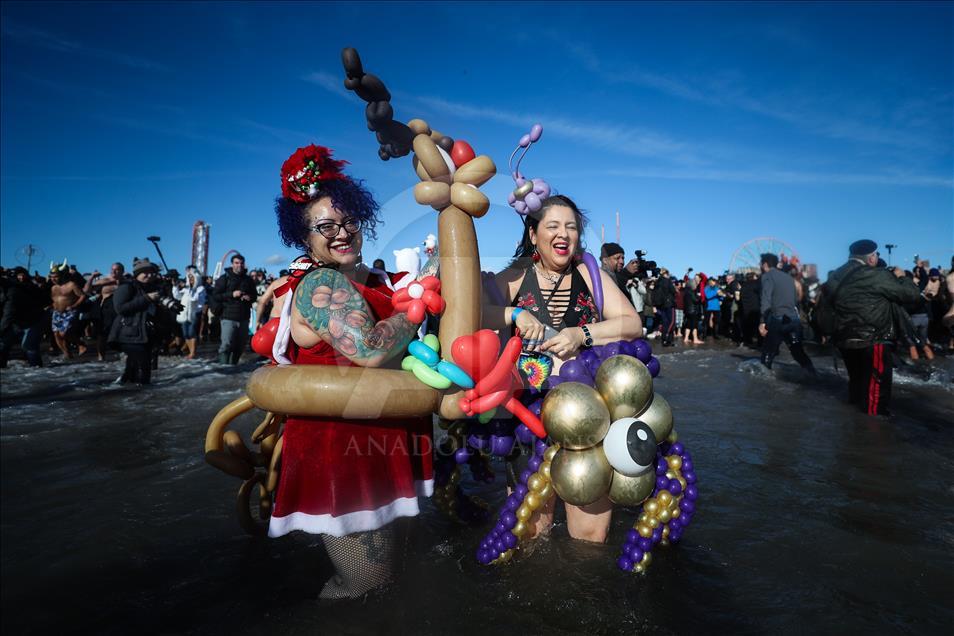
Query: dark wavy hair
[(348, 195), (532, 220)]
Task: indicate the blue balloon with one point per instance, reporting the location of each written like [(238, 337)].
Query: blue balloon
[(627, 348), (590, 359), (653, 366), (643, 351), (575, 371)]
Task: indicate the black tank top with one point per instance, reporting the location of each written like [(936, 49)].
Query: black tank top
[(569, 307)]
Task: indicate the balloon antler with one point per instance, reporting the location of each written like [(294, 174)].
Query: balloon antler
[(528, 195)]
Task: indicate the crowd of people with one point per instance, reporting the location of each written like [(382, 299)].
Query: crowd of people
[(141, 312)]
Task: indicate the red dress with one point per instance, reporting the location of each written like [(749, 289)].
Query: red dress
[(343, 476)]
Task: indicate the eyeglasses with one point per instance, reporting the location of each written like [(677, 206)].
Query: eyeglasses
[(330, 229)]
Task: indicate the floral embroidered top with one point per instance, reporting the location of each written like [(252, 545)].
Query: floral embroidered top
[(570, 307)]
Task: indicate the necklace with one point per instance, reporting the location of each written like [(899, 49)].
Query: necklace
[(553, 278)]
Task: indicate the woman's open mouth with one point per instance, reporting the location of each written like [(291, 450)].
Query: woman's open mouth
[(561, 248)]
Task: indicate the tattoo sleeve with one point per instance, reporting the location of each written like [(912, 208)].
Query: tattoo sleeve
[(338, 313)]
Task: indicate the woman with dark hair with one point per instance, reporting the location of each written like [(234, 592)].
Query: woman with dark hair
[(551, 302), (344, 480)]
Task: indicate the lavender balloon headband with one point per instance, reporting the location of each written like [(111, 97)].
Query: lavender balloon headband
[(528, 194)]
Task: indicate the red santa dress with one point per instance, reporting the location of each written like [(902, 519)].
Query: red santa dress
[(342, 476)]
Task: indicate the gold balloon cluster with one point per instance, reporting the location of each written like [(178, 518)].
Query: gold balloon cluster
[(539, 491), (578, 418), (659, 510)]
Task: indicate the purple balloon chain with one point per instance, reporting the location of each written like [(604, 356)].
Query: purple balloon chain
[(501, 539), (636, 546)]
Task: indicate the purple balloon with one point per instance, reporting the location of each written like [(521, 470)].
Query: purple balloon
[(541, 188), (525, 475), (653, 366), (500, 546), (532, 201), (534, 463), (675, 487), (636, 554), (661, 466), (624, 563), (687, 466), (687, 506), (662, 482), (535, 407), (484, 557), (525, 141), (645, 544), (689, 476), (499, 528), (612, 349), (678, 448), (554, 380), (632, 536), (501, 444), (575, 371), (524, 434), (510, 540), (513, 502), (535, 131), (593, 267), (461, 456), (521, 491), (590, 359), (477, 441), (657, 534), (511, 199), (520, 207), (509, 519), (643, 351), (692, 493), (627, 348), (675, 535)]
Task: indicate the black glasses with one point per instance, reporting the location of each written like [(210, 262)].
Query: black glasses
[(330, 229)]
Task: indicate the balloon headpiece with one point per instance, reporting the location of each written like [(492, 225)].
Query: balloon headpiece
[(528, 194), (306, 169)]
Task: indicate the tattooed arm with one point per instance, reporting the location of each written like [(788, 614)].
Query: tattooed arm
[(328, 308)]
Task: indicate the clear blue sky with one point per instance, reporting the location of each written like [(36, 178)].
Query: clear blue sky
[(704, 125)]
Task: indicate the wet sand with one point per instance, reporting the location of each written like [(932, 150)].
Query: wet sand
[(812, 518)]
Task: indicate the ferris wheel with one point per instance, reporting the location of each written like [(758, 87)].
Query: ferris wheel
[(746, 258)]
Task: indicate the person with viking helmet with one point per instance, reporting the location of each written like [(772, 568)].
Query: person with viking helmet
[(344, 480)]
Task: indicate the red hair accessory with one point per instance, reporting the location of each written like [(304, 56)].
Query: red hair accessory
[(305, 169)]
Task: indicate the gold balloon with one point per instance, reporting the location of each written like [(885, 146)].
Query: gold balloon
[(626, 386), (665, 515), (675, 462), (664, 497), (673, 437), (575, 416), (546, 492), (651, 507), (644, 530), (545, 469), (536, 483), (629, 491), (639, 568), (676, 512), (523, 512), (647, 559), (520, 529), (533, 501), (551, 453), (653, 523), (657, 415), (581, 477)]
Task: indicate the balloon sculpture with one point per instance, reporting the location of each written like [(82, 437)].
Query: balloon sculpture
[(608, 432)]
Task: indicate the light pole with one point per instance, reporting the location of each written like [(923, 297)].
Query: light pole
[(155, 241), (889, 247)]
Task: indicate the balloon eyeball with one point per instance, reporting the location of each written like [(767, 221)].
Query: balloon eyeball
[(630, 446), (447, 159)]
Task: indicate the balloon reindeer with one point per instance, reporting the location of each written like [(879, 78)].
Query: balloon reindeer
[(450, 175)]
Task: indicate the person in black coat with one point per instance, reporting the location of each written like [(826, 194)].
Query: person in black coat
[(664, 300), (691, 311), (21, 317), (132, 330), (235, 294)]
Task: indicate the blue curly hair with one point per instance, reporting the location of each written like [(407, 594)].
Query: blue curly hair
[(348, 195)]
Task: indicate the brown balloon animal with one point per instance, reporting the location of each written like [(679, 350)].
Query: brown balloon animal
[(356, 393)]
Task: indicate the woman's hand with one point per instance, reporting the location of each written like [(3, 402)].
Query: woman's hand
[(531, 330), (565, 344)]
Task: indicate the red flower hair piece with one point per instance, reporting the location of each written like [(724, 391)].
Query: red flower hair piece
[(304, 170)]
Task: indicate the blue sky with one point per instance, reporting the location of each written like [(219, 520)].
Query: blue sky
[(703, 125)]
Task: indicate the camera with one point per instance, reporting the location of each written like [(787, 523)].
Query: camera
[(640, 254), (170, 303)]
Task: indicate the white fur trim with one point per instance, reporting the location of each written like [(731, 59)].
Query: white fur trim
[(358, 521), (283, 334)]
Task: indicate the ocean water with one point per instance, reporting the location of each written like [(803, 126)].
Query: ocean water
[(812, 518)]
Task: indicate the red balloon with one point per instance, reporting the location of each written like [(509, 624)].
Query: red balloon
[(461, 153), (500, 375), (264, 338), (476, 354)]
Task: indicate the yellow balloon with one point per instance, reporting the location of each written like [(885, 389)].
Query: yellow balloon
[(665, 515), (639, 568), (581, 477), (664, 497), (676, 512), (651, 507), (523, 512), (551, 453), (547, 492), (533, 501), (647, 559), (653, 523), (575, 416), (625, 384), (520, 529), (645, 530), (673, 437), (545, 469), (536, 483), (657, 415), (630, 491), (674, 461)]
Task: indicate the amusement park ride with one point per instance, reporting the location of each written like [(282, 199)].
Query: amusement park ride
[(746, 258)]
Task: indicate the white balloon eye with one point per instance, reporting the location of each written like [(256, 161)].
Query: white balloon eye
[(630, 446)]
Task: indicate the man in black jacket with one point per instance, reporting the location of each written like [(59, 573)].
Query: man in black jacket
[(235, 293), (21, 317), (134, 301), (664, 299), (864, 299)]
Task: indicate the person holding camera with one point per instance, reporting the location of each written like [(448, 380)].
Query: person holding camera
[(133, 329), (235, 293)]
